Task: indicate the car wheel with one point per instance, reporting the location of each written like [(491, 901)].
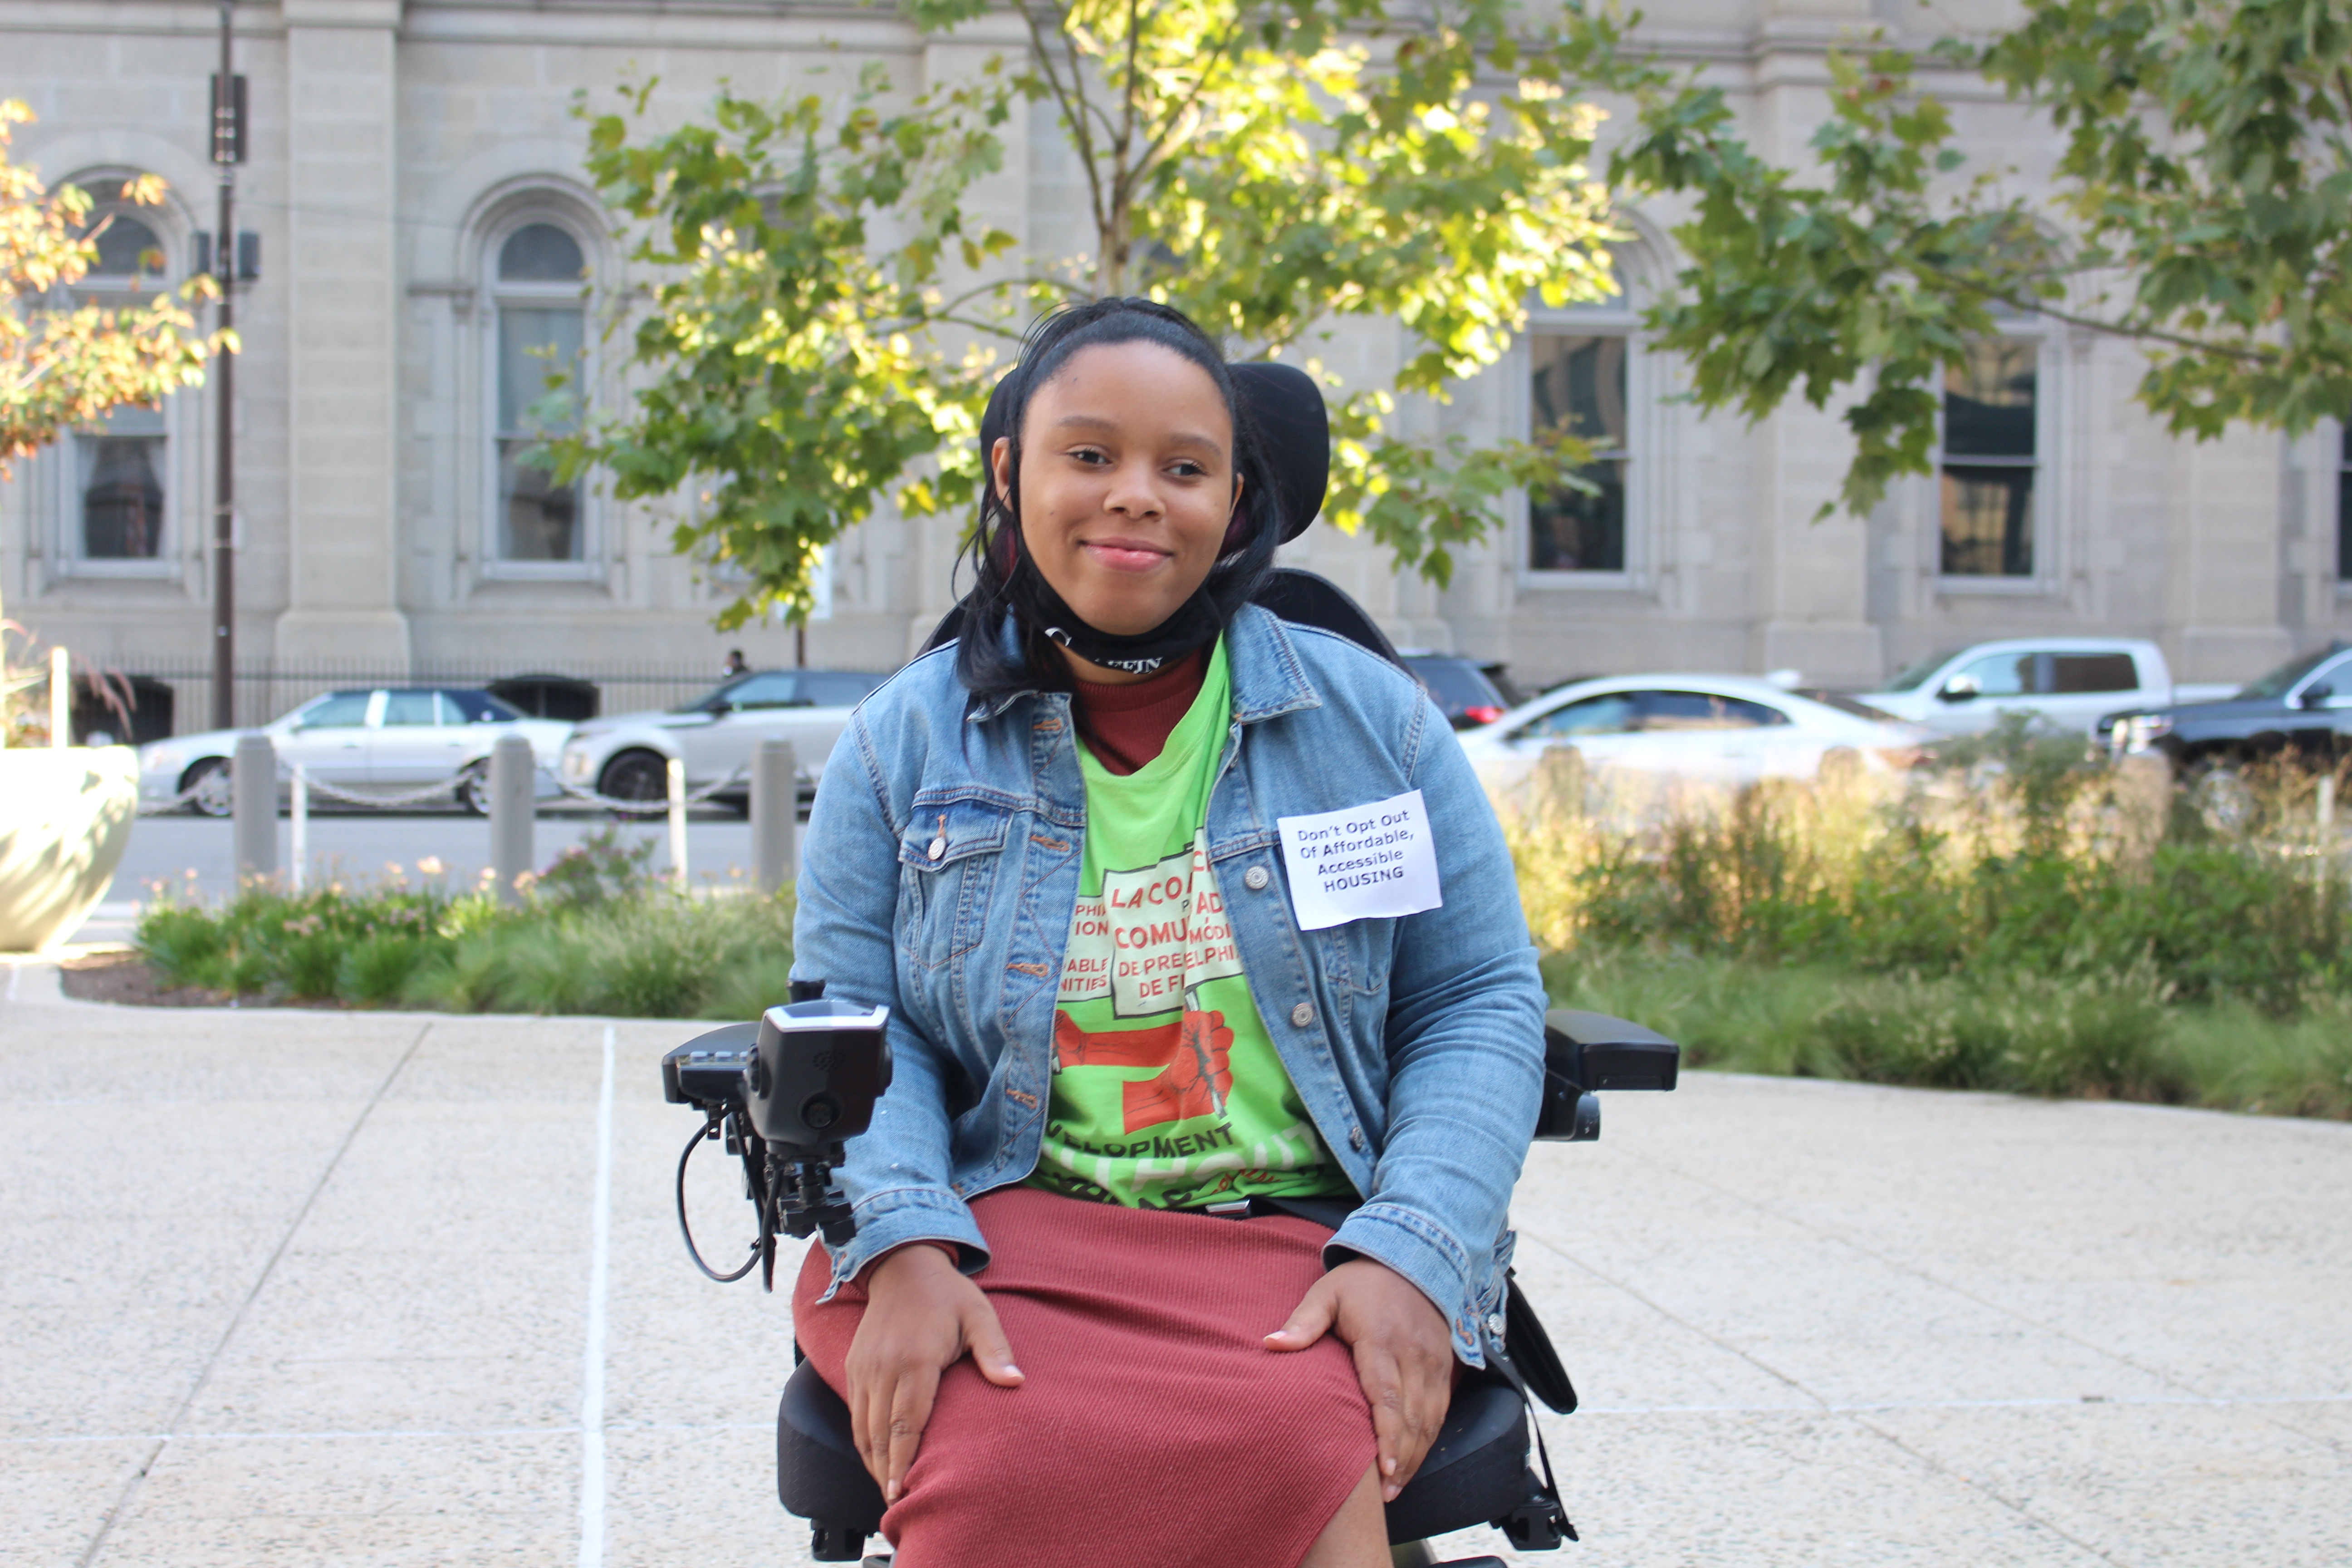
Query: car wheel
[(210, 780), (474, 788), (637, 776), (2222, 797)]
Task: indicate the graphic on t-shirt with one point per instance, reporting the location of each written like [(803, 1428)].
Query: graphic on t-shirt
[(1152, 933), (1192, 1054), (1167, 1088)]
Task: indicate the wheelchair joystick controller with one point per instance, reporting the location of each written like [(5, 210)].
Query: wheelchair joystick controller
[(786, 1094)]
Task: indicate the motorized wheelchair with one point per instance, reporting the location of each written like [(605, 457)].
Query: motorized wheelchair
[(1477, 1471)]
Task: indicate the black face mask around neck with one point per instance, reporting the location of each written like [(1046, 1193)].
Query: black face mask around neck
[(1195, 624)]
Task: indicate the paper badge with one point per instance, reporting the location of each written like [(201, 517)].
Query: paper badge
[(1368, 862)]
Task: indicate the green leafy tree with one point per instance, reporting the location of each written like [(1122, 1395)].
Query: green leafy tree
[(2202, 209), (830, 314)]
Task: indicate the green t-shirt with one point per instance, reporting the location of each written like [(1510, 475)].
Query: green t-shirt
[(1168, 1092)]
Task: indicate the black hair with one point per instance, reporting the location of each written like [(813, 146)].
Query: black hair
[(982, 661)]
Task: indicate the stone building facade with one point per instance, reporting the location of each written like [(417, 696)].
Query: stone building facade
[(424, 226)]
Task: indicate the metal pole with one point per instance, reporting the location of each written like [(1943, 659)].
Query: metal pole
[(60, 699), (514, 806), (775, 811), (225, 131), (298, 827), (677, 822), (253, 783)]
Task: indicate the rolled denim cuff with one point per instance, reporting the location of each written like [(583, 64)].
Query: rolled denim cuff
[(893, 1218), (1425, 1255)]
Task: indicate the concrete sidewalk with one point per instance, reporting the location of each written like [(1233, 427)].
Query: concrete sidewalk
[(292, 1287)]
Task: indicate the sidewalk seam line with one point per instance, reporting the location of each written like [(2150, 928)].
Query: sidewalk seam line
[(130, 1488), (592, 1372)]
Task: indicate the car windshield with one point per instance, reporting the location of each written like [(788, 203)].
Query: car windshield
[(714, 698), (1843, 704), (481, 708), (2276, 682), (1457, 684), (1910, 676)]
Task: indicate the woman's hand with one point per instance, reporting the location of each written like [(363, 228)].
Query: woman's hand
[(922, 1315), (1404, 1356)]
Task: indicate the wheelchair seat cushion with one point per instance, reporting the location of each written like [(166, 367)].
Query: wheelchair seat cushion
[(1154, 1429)]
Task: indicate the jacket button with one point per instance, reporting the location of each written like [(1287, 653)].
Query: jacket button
[(939, 848), (1302, 1016), (1255, 878), (1356, 1138), (1494, 1326)]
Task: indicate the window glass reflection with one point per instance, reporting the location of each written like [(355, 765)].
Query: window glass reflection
[(538, 518), (1578, 386), (540, 253), (126, 246), (1990, 414), (122, 486)]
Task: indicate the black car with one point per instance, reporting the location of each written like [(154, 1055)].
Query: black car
[(2305, 705), (1468, 692)]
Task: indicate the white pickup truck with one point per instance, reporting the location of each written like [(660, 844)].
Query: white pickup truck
[(2067, 683)]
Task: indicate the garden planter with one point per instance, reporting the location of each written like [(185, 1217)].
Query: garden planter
[(65, 817)]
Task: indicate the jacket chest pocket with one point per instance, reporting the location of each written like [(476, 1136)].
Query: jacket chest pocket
[(949, 858), (1356, 955)]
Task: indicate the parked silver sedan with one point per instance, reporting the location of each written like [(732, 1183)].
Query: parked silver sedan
[(385, 743), (627, 755)]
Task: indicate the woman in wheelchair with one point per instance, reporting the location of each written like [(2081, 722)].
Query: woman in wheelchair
[(1187, 1201)]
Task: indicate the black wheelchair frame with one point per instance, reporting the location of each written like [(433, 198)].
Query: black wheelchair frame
[(1477, 1470)]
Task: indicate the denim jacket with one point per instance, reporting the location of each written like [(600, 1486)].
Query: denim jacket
[(941, 870)]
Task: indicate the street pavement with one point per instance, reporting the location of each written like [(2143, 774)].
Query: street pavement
[(287, 1288)]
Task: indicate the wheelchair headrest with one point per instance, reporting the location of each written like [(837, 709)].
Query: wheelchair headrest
[(1287, 408)]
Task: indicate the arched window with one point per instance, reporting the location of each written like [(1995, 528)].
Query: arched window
[(127, 249), (540, 330), (119, 464)]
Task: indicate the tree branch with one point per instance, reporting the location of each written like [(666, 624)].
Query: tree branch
[(1073, 116), (1177, 114), (2257, 357)]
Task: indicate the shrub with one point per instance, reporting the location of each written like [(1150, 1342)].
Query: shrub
[(2015, 857), (595, 936)]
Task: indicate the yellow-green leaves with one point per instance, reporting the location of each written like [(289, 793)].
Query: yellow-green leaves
[(62, 363)]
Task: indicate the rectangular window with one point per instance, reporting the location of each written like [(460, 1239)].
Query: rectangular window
[(538, 520), (1578, 386), (118, 486), (2343, 505), (1990, 405)]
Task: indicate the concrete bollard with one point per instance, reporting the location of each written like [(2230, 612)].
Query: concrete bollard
[(298, 827), (253, 803), (60, 699), (677, 774), (775, 811), (514, 806)]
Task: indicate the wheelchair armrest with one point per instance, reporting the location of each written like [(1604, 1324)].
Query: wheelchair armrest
[(1588, 1051), (1593, 1051)]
